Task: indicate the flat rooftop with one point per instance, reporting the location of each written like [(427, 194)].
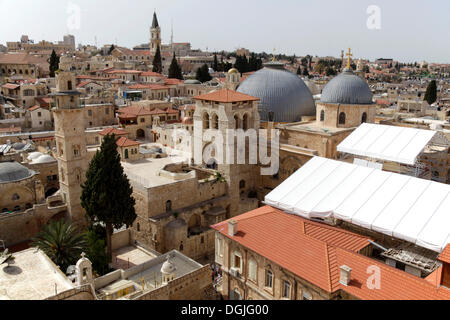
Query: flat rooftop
[(33, 276), (146, 171), (314, 128), (130, 256)]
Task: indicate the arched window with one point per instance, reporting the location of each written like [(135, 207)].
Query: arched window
[(342, 118), (322, 115), (138, 227), (236, 122), (364, 118), (168, 206), (206, 121), (69, 85), (126, 154), (269, 279), (15, 197), (242, 184), (215, 121), (245, 122)]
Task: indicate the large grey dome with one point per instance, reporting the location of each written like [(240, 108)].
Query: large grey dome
[(280, 92), (347, 88), (13, 171)]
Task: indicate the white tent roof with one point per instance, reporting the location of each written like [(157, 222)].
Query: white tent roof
[(390, 143), (408, 208)]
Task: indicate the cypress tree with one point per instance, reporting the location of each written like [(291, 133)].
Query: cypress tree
[(54, 63), (174, 69), (157, 62), (107, 194), (202, 74), (216, 63), (299, 71), (305, 72), (431, 93)]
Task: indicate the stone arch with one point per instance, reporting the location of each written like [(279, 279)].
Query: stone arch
[(140, 134)]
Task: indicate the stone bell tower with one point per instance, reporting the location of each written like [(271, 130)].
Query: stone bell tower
[(70, 144), (229, 112), (155, 35)]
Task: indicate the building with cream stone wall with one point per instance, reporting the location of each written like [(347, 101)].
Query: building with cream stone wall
[(70, 143)]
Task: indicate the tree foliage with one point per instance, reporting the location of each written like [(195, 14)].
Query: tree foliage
[(174, 69), (54, 63), (107, 194), (202, 74), (61, 242), (431, 93), (96, 253), (157, 61)]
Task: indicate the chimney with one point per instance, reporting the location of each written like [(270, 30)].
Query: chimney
[(232, 228), (346, 275)]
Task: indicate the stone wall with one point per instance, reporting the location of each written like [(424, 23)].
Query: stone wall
[(192, 286), (19, 227)]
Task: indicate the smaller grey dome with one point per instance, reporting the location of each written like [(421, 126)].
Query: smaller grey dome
[(18, 146), (168, 267), (13, 171), (347, 88), (45, 158)]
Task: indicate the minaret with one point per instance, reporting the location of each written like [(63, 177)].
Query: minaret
[(155, 35), (71, 144)]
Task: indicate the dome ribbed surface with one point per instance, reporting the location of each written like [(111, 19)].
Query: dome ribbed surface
[(347, 88), (280, 92), (13, 171)]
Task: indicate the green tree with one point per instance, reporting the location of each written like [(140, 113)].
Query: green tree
[(111, 49), (61, 242), (202, 74), (107, 194), (54, 63), (215, 63), (431, 93), (305, 72), (329, 71), (96, 244), (174, 69), (157, 61)]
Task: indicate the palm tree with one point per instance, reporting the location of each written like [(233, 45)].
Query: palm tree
[(61, 243)]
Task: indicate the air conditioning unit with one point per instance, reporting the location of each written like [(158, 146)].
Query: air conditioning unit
[(234, 272)]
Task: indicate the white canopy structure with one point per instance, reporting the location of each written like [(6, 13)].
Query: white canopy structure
[(391, 143), (405, 207)]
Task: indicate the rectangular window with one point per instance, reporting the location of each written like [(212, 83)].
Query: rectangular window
[(269, 279), (252, 270), (286, 289), (237, 261), (219, 248), (107, 110), (90, 113)]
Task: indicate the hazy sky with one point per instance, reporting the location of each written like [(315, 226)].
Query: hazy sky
[(411, 30)]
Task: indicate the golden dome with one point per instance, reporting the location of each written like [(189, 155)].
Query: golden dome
[(233, 70)]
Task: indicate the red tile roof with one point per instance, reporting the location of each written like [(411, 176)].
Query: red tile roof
[(117, 132), (445, 255), (11, 86), (125, 142), (148, 86), (43, 139), (172, 81), (134, 111), (315, 252), (34, 108), (226, 96), (151, 74), (123, 72)]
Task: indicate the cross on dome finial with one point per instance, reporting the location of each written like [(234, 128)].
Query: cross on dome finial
[(349, 58), (82, 255)]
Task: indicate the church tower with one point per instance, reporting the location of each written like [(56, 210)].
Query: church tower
[(71, 144), (155, 35), (226, 111)]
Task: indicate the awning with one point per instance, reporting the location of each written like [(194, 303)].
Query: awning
[(408, 208)]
